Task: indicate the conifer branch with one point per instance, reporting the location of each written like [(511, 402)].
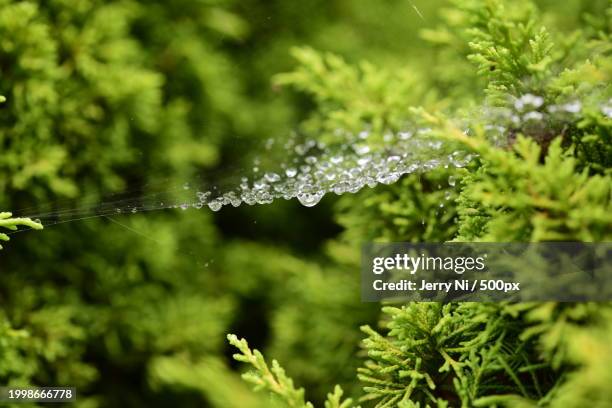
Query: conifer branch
[(275, 380), (13, 223)]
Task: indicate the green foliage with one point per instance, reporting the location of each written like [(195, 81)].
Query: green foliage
[(65, 84), (436, 355), (276, 381), (209, 375), (321, 343), (548, 180), (350, 96), (105, 95), (589, 351), (514, 197), (418, 209), (270, 379), (507, 47)]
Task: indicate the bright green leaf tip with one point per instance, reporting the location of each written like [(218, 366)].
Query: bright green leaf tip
[(13, 223)]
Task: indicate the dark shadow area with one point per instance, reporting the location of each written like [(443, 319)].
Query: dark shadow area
[(284, 223)]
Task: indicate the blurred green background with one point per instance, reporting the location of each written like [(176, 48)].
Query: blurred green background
[(109, 96)]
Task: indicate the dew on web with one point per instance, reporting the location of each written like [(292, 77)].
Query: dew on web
[(312, 169), (308, 170), (215, 205)]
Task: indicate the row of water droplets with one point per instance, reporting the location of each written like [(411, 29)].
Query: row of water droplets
[(309, 169), (530, 115), (313, 169)]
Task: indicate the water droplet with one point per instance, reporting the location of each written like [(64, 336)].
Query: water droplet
[(310, 199), (340, 187), (388, 178), (215, 205), (452, 181), (573, 107), (291, 172), (528, 100), (259, 185), (361, 149), (363, 161), (404, 135), (301, 150), (272, 177), (533, 115), (202, 196)]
